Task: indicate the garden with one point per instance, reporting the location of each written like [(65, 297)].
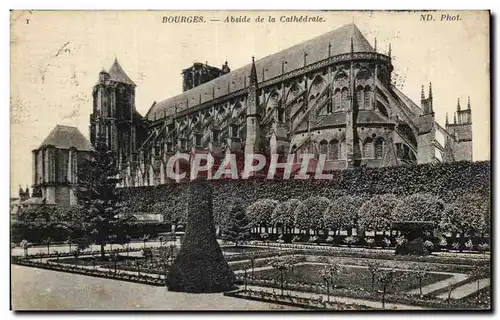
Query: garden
[(380, 235)]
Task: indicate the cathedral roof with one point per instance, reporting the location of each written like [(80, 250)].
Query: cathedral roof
[(116, 73), (296, 57), (66, 137)]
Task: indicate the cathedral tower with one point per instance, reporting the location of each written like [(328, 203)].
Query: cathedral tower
[(114, 115), (426, 129), (461, 132)]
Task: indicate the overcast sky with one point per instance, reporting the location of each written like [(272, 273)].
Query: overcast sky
[(56, 58)]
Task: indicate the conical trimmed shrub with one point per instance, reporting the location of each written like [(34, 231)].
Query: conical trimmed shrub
[(200, 266)]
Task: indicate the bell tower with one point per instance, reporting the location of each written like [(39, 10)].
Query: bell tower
[(114, 112)]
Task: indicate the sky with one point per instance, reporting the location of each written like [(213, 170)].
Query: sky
[(56, 57)]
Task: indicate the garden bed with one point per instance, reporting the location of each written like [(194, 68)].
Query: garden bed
[(354, 278), (142, 279), (294, 301)]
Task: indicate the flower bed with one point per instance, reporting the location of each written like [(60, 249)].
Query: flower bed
[(401, 298), (294, 301), (351, 278), (39, 255), (143, 278)]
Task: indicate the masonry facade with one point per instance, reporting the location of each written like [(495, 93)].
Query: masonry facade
[(330, 95), (55, 166)]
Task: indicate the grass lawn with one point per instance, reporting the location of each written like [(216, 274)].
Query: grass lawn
[(350, 277), (87, 261)]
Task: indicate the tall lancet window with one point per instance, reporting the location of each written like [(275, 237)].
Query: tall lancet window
[(379, 148), (345, 100), (368, 148), (323, 147), (333, 150), (368, 97), (337, 100), (359, 97)]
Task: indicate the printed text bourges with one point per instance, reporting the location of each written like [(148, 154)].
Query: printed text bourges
[(245, 19)]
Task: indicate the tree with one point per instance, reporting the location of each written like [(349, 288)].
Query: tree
[(284, 214), (328, 274), (48, 241), (311, 212), (25, 245), (477, 273), (374, 268), (145, 239), (420, 273), (260, 212), (464, 216), (96, 192), (386, 278), (419, 207), (375, 214), (342, 213), (237, 228), (281, 265)]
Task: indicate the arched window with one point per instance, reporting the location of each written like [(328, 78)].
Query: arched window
[(336, 100), (368, 148), (334, 150), (345, 102), (368, 98), (343, 151), (359, 97), (323, 147), (281, 115), (379, 148)]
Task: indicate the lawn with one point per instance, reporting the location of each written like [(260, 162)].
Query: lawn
[(350, 278)]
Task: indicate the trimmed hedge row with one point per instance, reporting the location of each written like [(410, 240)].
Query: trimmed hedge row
[(448, 180)]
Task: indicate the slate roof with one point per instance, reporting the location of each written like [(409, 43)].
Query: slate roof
[(65, 137), (316, 50), (116, 73)]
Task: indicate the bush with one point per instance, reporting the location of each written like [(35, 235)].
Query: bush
[(200, 265), (483, 247), (429, 245), (350, 240)]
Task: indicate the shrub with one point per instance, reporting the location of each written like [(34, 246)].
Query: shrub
[(350, 240), (401, 240), (429, 245), (469, 245), (370, 242), (200, 265), (329, 239), (483, 247), (443, 242), (296, 239), (387, 242)]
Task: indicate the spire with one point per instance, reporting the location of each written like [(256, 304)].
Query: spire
[(458, 104), (454, 118), (390, 50), (422, 94), (375, 47), (468, 103), (446, 119), (430, 90), (117, 74), (253, 73)]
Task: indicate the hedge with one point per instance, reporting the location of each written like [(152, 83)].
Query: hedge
[(446, 180)]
